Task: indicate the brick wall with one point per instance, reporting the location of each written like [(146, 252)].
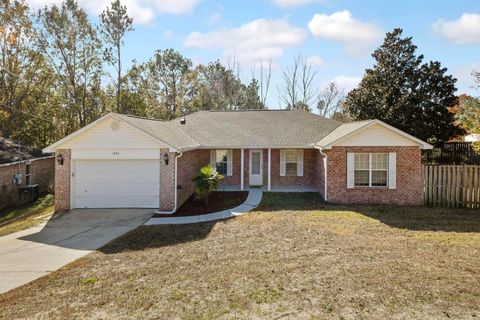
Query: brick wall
[(408, 191), (167, 181), (309, 170), (42, 171), (188, 166), (62, 181)]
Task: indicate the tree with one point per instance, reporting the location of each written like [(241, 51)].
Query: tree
[(468, 116), (330, 100), (405, 93), (297, 91), (72, 47), (114, 25), (169, 84), (251, 98), (263, 79)]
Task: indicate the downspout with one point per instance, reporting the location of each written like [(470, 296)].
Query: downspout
[(176, 189), (325, 162)]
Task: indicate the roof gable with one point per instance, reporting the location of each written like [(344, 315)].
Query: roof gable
[(370, 133), (107, 132)]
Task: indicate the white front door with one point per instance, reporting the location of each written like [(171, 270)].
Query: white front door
[(256, 168), (116, 184)]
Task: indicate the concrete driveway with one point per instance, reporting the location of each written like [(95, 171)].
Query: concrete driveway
[(32, 253)]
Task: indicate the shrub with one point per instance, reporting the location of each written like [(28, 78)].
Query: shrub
[(206, 181)]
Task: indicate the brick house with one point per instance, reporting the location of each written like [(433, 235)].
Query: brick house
[(124, 161), (24, 173)]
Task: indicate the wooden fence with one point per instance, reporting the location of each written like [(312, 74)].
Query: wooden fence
[(453, 186)]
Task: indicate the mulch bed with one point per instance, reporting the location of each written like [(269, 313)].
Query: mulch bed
[(217, 201)]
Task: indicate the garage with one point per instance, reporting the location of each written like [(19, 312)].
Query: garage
[(115, 183)]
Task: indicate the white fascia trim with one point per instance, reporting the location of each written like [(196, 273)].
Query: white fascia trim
[(218, 147), (55, 146), (422, 144)]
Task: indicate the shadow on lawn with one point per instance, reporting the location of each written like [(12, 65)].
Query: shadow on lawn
[(421, 218), (146, 237), (413, 218)]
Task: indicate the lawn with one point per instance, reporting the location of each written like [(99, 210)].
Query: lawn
[(293, 258), (26, 216)]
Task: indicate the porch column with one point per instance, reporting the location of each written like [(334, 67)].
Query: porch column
[(269, 168), (241, 169)]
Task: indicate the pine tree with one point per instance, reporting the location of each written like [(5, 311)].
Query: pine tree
[(406, 93)]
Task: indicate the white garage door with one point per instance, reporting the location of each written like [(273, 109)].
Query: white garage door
[(116, 184)]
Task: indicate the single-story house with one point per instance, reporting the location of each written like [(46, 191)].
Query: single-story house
[(25, 173), (124, 161)]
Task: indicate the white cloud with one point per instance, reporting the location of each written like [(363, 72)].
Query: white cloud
[(464, 30), (315, 61), (251, 42), (142, 11), (294, 3), (346, 83), (341, 27)]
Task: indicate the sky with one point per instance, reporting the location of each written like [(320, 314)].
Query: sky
[(336, 36)]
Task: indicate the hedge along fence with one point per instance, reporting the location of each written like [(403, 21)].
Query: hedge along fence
[(452, 186)]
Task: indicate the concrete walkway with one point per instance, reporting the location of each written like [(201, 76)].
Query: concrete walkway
[(253, 199), (33, 253)]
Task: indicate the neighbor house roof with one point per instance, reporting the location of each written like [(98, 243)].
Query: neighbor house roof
[(11, 151)]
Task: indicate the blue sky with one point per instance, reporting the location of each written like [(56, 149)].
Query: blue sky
[(337, 35)]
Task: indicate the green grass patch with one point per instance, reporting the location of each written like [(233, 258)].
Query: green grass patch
[(27, 215), (89, 280), (267, 295)]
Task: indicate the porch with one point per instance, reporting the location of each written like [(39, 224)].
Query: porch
[(265, 188)]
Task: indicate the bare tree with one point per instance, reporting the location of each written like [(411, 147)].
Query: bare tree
[(264, 77), (330, 99), (298, 79)]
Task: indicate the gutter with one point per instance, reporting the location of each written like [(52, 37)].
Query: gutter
[(176, 190), (325, 163)]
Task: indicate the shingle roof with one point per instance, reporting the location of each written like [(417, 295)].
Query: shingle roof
[(165, 131), (11, 151), (236, 129)]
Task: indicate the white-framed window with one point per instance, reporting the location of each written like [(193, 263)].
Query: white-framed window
[(28, 174), (291, 162), (221, 160), (371, 169)]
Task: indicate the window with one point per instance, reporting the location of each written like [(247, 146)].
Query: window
[(221, 160), (28, 174), (291, 162), (371, 170)]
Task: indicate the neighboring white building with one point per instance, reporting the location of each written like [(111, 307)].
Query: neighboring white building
[(474, 137)]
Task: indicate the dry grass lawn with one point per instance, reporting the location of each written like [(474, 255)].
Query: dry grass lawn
[(293, 258)]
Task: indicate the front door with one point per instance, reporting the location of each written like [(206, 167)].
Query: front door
[(256, 168)]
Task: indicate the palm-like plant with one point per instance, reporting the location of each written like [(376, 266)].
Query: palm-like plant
[(206, 181)]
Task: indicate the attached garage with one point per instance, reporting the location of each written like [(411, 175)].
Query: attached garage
[(116, 184), (110, 164)]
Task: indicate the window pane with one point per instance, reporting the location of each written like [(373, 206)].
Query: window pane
[(291, 156), (379, 161), (361, 178), (361, 161), (379, 178), (255, 162), (221, 156), (291, 169), (222, 168)]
